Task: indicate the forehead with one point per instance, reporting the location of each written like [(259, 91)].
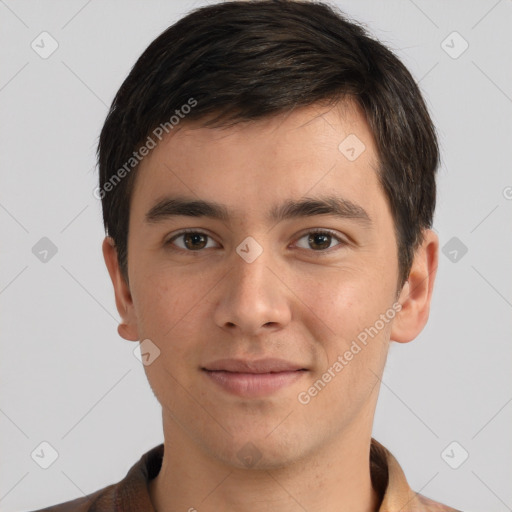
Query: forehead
[(252, 166)]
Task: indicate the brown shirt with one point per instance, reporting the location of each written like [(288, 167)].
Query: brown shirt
[(132, 495)]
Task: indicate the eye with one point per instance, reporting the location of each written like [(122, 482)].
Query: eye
[(319, 240), (191, 240)]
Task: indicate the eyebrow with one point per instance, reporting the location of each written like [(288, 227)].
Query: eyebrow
[(330, 205), (178, 206), (169, 207)]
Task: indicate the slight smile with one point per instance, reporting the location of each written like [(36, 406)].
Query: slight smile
[(252, 379)]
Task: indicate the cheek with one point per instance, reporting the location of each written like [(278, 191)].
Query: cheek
[(344, 299), (353, 348), (344, 315), (173, 311), (164, 297), (161, 309), (171, 319), (155, 306)]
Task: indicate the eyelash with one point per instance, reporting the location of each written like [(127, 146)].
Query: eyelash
[(320, 252)]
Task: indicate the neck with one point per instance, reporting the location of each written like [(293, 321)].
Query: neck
[(336, 478)]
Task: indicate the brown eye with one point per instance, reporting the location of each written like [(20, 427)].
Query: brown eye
[(319, 241), (192, 241)]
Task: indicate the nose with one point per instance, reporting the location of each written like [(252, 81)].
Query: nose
[(253, 299)]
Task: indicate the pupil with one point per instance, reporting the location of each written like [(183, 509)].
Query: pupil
[(194, 241), (320, 239)]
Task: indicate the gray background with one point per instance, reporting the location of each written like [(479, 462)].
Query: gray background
[(66, 376)]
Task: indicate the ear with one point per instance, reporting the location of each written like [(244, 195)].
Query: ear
[(127, 329), (416, 293)]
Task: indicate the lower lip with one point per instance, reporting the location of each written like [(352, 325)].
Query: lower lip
[(253, 384)]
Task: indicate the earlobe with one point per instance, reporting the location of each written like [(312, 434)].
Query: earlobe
[(126, 332), (127, 328), (416, 294)]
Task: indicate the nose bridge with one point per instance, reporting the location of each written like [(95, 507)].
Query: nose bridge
[(249, 261), (251, 279), (252, 296), (250, 275)]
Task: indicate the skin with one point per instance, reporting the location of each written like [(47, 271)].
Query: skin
[(299, 300)]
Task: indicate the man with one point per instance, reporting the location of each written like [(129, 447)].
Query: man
[(267, 177)]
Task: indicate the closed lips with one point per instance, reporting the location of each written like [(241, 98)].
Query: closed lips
[(253, 379), (269, 365)]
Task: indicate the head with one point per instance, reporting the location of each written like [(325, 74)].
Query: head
[(251, 124)]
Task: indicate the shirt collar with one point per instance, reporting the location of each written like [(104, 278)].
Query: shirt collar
[(388, 479)]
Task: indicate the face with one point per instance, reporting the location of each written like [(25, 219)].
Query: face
[(262, 264)]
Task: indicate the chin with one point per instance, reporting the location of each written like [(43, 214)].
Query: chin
[(267, 449)]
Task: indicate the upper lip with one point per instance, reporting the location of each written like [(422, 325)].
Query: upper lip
[(253, 366)]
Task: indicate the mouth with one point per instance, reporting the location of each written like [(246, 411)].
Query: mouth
[(252, 379)]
